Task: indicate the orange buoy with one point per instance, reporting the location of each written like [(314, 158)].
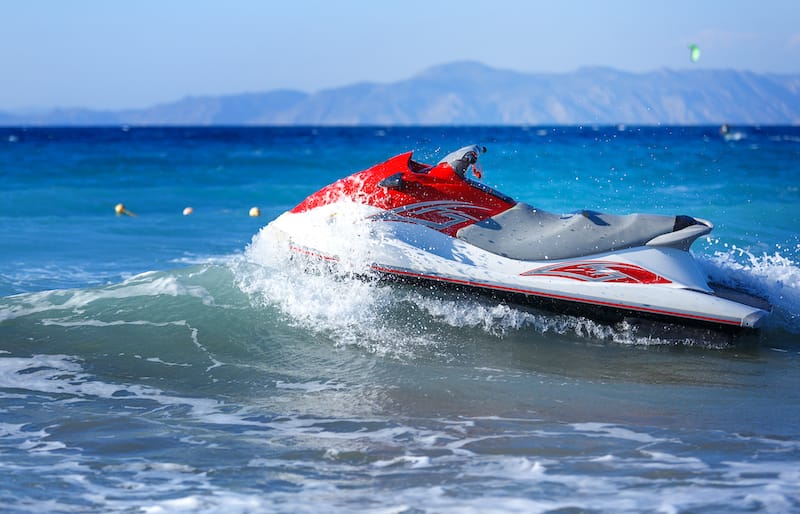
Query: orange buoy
[(120, 210)]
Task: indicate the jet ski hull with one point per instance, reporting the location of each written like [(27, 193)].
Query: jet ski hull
[(607, 287), (602, 311), (403, 221)]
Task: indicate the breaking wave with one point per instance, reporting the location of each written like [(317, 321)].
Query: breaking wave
[(390, 318)]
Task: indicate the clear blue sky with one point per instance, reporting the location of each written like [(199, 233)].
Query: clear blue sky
[(117, 54)]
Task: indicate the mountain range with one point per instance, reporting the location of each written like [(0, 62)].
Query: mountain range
[(471, 93)]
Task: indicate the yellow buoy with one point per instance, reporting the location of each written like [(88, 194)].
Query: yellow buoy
[(255, 211), (187, 211), (120, 210)]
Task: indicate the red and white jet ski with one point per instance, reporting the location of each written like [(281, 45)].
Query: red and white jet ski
[(432, 224)]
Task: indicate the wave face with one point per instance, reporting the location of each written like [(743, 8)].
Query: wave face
[(187, 363)]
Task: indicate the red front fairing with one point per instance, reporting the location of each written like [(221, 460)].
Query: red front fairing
[(433, 196)]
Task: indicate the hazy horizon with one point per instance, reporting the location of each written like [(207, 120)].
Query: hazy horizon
[(46, 109), (103, 56)]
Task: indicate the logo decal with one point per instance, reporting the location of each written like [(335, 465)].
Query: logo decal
[(599, 271), (436, 215)]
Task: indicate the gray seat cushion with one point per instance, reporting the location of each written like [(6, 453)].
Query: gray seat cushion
[(526, 233)]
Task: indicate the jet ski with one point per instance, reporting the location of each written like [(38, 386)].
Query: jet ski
[(433, 224)]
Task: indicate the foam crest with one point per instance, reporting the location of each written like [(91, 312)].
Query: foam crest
[(148, 284), (497, 319), (613, 431), (63, 375), (348, 306), (500, 320), (773, 277), (512, 465), (33, 442)]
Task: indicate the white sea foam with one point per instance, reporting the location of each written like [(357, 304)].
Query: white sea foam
[(518, 468), (604, 430), (416, 472), (773, 277), (10, 429), (143, 285), (31, 277), (785, 137), (409, 461), (313, 386), (159, 361), (349, 310), (63, 376)]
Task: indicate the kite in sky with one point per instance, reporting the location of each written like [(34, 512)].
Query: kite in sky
[(694, 52)]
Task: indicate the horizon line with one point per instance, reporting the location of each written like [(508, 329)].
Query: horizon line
[(38, 110)]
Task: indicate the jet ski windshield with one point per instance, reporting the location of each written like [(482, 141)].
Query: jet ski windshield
[(463, 158), (460, 162)]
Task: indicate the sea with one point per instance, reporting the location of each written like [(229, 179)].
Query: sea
[(155, 362)]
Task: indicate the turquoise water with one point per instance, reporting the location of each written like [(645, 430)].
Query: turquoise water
[(164, 362)]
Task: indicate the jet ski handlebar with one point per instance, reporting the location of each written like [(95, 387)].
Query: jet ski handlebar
[(463, 158)]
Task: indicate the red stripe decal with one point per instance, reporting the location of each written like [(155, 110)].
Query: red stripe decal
[(557, 296)]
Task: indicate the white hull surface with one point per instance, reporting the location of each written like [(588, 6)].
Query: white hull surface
[(653, 281)]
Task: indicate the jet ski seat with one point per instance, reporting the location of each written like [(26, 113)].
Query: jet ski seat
[(525, 233)]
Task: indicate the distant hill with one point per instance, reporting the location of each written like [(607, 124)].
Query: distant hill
[(470, 93)]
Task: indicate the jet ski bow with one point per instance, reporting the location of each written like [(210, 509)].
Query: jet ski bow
[(433, 224)]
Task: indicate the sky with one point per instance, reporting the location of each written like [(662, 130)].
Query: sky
[(103, 54)]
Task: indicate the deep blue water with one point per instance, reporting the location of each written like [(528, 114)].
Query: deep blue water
[(164, 362)]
